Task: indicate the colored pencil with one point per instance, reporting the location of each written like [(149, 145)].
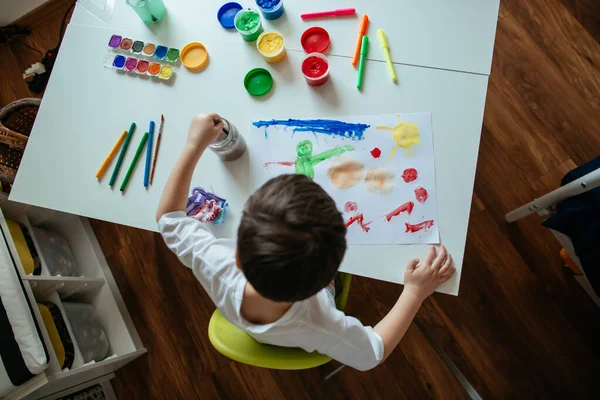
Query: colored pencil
[(364, 49), (113, 178), (149, 154), (134, 161), (364, 23), (111, 155), (162, 123)]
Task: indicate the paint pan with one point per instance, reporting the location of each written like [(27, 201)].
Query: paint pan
[(315, 69), (172, 55), (126, 44), (142, 67), (114, 61), (154, 69), (130, 64), (149, 49), (271, 46), (137, 46), (161, 52), (115, 41), (166, 72)]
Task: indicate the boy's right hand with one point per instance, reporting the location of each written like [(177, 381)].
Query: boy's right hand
[(421, 278), (203, 130)]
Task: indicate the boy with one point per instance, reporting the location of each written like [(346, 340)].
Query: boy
[(275, 284)]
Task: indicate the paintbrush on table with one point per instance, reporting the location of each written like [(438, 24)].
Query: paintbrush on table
[(162, 123)]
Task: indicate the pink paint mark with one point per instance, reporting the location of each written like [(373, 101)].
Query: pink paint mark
[(410, 174), (286, 163), (350, 206), (417, 227), (408, 207), (376, 153), (360, 219), (421, 194)]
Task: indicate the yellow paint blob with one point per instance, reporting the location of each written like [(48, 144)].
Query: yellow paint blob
[(271, 46), (345, 173), (405, 134)]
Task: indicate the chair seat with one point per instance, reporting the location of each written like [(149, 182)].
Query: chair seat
[(236, 344), (239, 346)]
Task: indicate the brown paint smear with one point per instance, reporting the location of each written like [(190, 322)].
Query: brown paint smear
[(380, 180), (346, 173)]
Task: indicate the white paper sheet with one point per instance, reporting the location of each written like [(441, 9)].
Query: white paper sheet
[(367, 189)]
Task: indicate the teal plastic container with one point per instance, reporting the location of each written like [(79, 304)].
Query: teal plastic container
[(150, 11)]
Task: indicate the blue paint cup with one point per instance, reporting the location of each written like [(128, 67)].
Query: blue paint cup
[(270, 9)]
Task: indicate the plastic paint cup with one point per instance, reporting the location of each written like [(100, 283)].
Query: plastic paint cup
[(137, 46), (172, 55), (315, 69), (150, 11), (226, 14), (315, 40), (149, 49), (166, 72), (247, 23), (271, 46), (154, 69), (115, 41), (194, 56), (130, 64), (161, 52), (126, 44), (118, 62), (270, 9), (142, 66)]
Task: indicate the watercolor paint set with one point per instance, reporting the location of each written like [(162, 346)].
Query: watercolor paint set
[(144, 49), (139, 66)]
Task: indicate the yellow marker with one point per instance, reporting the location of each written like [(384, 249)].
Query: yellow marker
[(111, 155), (405, 134), (386, 50)]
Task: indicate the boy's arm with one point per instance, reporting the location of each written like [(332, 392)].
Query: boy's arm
[(420, 280), (202, 132)]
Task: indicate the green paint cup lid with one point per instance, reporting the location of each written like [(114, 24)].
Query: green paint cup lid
[(258, 82)]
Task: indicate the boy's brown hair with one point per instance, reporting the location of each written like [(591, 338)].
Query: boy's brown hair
[(291, 238)]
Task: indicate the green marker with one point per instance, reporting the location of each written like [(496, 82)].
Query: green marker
[(364, 48), (113, 178), (134, 161)]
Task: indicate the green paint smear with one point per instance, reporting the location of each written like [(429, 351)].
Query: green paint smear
[(247, 21), (305, 163), (172, 54)]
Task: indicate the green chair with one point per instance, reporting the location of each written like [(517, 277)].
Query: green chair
[(237, 345)]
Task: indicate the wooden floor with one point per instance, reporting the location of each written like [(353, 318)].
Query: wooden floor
[(521, 326)]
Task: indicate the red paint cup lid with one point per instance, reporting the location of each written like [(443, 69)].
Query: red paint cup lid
[(258, 82), (315, 40)]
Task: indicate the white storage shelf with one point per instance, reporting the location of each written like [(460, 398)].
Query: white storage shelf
[(95, 286)]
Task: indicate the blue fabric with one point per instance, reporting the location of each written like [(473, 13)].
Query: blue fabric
[(579, 218)]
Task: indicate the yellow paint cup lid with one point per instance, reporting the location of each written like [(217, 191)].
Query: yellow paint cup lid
[(194, 56)]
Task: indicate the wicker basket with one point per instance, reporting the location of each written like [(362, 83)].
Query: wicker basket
[(16, 123)]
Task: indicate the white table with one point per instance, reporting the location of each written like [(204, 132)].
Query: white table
[(86, 107)]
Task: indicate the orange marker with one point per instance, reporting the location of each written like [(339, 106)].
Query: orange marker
[(111, 155), (364, 22)]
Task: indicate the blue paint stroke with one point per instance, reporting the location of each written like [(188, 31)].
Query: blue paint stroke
[(329, 127)]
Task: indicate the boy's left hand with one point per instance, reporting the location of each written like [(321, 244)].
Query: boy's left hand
[(203, 130)]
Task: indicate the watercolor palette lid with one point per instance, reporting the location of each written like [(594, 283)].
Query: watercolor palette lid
[(194, 55), (315, 40), (258, 82), (226, 14)]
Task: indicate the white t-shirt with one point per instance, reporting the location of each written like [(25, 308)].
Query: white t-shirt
[(311, 324)]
